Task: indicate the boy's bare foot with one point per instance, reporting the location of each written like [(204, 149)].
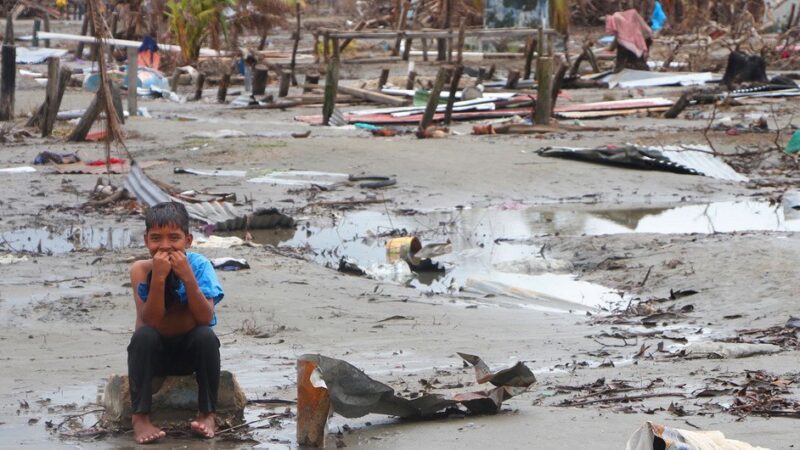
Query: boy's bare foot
[(205, 425), (144, 431)]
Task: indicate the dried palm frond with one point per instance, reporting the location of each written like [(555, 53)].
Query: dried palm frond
[(261, 16)]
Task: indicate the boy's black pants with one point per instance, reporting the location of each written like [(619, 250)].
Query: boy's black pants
[(152, 355)]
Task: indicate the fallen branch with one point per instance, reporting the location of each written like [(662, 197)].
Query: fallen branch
[(624, 399)]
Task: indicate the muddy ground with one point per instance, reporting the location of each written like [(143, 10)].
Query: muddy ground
[(633, 235)]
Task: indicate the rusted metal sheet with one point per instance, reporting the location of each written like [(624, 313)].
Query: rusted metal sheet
[(221, 216)]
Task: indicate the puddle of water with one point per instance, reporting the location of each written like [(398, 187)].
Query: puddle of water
[(44, 240), (494, 249)]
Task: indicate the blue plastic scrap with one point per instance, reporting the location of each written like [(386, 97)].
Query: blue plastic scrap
[(659, 17)]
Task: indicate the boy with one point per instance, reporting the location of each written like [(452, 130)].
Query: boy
[(175, 293)]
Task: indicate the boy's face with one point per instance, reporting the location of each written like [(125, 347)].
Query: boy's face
[(169, 238)]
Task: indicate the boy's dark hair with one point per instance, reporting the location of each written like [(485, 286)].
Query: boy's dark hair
[(165, 214)]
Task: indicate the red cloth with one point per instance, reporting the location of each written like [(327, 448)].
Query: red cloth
[(100, 162), (630, 30)]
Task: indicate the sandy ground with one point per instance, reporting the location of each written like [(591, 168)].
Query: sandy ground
[(68, 317)]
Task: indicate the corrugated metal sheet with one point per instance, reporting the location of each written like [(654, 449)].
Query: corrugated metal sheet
[(685, 159), (222, 215)]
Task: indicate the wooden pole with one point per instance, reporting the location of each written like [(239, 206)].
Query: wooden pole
[(8, 81), (133, 80), (558, 80), (9, 36), (490, 72), (310, 81), (424, 49), (37, 26), (529, 58), (412, 77), (296, 44), (383, 78), (451, 99), (331, 85), (176, 77), (513, 79), (198, 88), (441, 43), (85, 124), (461, 30), (222, 92), (84, 30), (401, 25), (94, 49), (114, 21), (286, 81), (433, 101), (47, 28), (116, 100), (544, 80), (49, 115), (260, 78)]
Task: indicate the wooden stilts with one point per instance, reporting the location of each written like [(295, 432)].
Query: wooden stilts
[(260, 79), (133, 80)]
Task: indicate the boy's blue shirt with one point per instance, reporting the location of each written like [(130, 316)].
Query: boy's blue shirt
[(206, 279)]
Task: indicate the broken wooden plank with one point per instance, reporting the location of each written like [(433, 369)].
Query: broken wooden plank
[(375, 97)]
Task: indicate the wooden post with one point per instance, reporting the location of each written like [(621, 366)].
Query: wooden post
[(94, 49), (37, 25), (198, 88), (513, 79), (85, 124), (84, 30), (311, 80), (433, 101), (313, 407), (407, 49), (326, 42), (116, 100), (8, 81), (529, 58), (133, 80), (461, 30), (46, 28), (442, 42), (331, 85), (424, 49), (453, 90), (296, 44), (176, 77), (401, 25), (412, 76), (563, 66), (544, 80), (9, 36), (286, 81), (490, 72), (222, 92), (383, 78), (49, 114), (260, 78), (114, 21), (592, 59)]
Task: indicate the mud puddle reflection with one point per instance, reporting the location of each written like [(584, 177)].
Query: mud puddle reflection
[(51, 241), (495, 250)]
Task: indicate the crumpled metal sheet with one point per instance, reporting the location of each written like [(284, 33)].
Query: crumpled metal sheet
[(651, 436), (684, 159), (354, 394), (221, 215)]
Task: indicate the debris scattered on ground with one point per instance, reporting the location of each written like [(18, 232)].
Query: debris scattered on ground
[(684, 159), (653, 436)]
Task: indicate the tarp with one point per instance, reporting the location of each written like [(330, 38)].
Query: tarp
[(27, 55)]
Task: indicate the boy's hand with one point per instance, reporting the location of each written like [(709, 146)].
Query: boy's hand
[(180, 265), (161, 265)]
